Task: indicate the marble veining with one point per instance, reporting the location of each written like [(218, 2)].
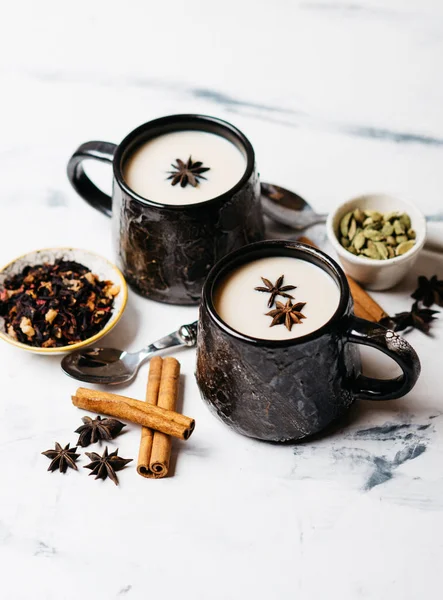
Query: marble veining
[(373, 453)]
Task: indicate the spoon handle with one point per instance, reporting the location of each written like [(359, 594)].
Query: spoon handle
[(186, 335)]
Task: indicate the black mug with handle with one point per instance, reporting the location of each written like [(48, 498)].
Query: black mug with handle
[(285, 390), (166, 251)]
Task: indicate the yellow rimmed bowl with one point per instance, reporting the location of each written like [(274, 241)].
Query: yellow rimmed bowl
[(99, 265)]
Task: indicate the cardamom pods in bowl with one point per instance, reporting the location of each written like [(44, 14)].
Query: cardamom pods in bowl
[(376, 235), (377, 238)]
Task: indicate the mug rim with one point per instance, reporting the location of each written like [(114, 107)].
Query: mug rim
[(259, 249), (182, 119)]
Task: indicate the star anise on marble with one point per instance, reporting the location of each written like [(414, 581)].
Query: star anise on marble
[(97, 429), (275, 289), (106, 465), (62, 458), (286, 314), (417, 318), (189, 172), (429, 291)]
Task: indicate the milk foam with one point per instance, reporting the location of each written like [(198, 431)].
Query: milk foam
[(244, 309), (146, 170)]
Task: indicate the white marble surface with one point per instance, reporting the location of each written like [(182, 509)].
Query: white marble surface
[(338, 98)]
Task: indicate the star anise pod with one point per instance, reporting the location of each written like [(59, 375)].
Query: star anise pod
[(106, 465), (97, 429), (417, 318), (189, 172), (275, 289), (286, 314), (429, 291), (62, 458)]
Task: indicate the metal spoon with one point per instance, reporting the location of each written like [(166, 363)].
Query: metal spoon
[(112, 366), (288, 208)]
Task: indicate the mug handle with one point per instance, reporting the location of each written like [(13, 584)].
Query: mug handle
[(102, 151), (371, 334)]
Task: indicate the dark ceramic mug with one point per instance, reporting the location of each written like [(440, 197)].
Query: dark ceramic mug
[(166, 251), (289, 389)]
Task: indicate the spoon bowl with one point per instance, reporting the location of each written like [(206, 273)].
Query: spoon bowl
[(288, 208), (110, 366)]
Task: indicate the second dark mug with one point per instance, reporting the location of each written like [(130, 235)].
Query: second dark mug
[(284, 390), (166, 251)]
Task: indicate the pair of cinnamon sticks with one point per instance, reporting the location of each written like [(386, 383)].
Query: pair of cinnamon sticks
[(156, 415), (162, 390)]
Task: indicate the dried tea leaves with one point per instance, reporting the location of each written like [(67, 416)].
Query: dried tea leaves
[(94, 430), (62, 458), (189, 172), (371, 234), (53, 305)]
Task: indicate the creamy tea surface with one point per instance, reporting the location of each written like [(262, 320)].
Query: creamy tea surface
[(315, 298), (216, 165)]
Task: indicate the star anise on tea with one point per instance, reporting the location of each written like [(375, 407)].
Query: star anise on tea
[(275, 289), (287, 314), (106, 465), (417, 318), (429, 291), (187, 172), (62, 458), (97, 429)]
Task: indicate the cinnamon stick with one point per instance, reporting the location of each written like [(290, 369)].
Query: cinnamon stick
[(147, 415), (147, 435), (167, 398), (365, 307)]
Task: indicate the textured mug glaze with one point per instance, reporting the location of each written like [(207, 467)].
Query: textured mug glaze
[(289, 389), (166, 251)]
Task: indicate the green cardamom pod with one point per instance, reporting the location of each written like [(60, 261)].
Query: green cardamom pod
[(352, 229), (404, 247), (387, 229), (373, 234), (401, 238), (382, 250), (344, 224), (359, 215), (405, 220), (359, 240), (398, 228), (371, 251)]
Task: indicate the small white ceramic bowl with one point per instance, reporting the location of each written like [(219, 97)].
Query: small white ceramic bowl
[(100, 266), (371, 273)]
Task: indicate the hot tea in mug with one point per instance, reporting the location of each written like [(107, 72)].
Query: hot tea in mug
[(277, 355), (185, 193)]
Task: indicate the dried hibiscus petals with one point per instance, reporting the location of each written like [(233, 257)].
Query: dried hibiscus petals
[(53, 305)]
